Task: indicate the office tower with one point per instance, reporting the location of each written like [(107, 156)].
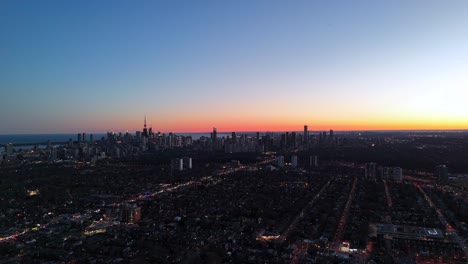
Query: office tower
[(280, 161), (187, 163), (293, 161), (9, 149), (84, 137), (138, 135), (369, 170), (397, 174), (234, 137), (324, 135), (214, 135), (70, 143), (79, 138), (331, 133), (91, 138), (306, 135), (293, 138), (441, 174)]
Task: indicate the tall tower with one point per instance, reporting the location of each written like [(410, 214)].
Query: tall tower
[(214, 134), (145, 130), (306, 135)]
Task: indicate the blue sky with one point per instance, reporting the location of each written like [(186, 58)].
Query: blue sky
[(101, 65)]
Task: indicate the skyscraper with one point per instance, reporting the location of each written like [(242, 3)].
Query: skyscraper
[(214, 135), (306, 135), (234, 137)]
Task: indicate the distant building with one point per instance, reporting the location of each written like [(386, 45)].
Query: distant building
[(187, 163), (397, 174), (280, 161), (234, 137), (177, 164), (131, 213), (214, 135), (441, 174), (386, 173), (313, 161), (306, 135), (294, 161), (9, 149), (79, 138)]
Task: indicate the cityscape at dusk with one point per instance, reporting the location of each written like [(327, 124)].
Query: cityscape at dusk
[(261, 131)]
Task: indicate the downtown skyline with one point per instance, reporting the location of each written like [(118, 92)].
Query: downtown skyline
[(237, 66)]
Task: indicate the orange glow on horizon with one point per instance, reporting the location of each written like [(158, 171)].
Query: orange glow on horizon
[(199, 126)]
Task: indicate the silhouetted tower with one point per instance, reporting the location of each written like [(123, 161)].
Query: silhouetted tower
[(306, 135), (214, 135), (145, 130)]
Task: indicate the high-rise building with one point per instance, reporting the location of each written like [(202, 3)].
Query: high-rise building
[(145, 130), (331, 133), (177, 164), (294, 161), (91, 138), (234, 137), (441, 174), (306, 135), (84, 137), (79, 138), (214, 135), (187, 163)]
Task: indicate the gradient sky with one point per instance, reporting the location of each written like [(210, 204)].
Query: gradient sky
[(96, 66)]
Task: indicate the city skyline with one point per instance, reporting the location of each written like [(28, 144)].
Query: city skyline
[(238, 66)]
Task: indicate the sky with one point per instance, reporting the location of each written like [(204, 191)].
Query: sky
[(97, 66)]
